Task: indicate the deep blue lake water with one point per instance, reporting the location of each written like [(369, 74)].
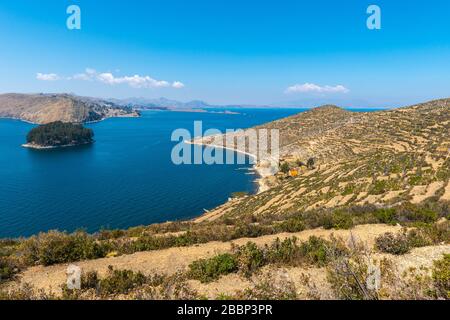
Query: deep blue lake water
[(126, 178)]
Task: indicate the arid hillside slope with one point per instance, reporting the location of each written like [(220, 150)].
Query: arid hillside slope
[(46, 108), (381, 158)]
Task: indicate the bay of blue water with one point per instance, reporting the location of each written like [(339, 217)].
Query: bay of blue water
[(126, 178)]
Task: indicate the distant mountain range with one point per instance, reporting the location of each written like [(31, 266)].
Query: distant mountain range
[(161, 103), (164, 103)]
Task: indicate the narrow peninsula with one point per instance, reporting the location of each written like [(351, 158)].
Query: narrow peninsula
[(59, 135)]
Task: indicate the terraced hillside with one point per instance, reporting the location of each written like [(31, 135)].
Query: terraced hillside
[(379, 158), (47, 108)]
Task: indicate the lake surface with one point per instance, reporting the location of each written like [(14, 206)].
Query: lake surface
[(126, 178)]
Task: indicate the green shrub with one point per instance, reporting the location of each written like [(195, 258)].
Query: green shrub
[(387, 216), (417, 238), (441, 277), (58, 247), (379, 187), (7, 269), (408, 212), (338, 219), (393, 244), (415, 180), (250, 258), (420, 236), (121, 282), (292, 225), (90, 280), (349, 189), (437, 232), (285, 168), (208, 270), (290, 253), (285, 252), (316, 250)]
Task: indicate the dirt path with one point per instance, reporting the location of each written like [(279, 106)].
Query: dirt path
[(171, 260)]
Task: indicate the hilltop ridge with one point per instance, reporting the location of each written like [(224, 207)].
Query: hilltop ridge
[(47, 108)]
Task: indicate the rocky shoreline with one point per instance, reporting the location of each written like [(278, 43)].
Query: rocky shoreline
[(40, 147)]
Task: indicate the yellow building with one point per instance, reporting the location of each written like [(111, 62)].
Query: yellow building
[(293, 173)]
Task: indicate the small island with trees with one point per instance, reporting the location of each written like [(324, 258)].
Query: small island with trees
[(58, 135)]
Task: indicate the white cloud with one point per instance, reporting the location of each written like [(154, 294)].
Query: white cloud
[(47, 76), (311, 87), (178, 85), (135, 81), (88, 75)]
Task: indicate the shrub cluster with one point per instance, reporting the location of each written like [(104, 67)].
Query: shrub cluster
[(208, 270), (118, 282), (441, 277), (421, 236), (249, 259), (7, 269), (393, 244), (59, 247), (338, 219), (268, 287)]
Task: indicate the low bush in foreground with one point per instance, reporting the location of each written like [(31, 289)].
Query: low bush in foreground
[(249, 259), (7, 269), (349, 275), (393, 244), (120, 282), (420, 236), (58, 247), (207, 270), (338, 220), (115, 283), (268, 287), (441, 277)]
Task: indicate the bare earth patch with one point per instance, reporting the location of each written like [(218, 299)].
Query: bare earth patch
[(446, 195), (421, 193)]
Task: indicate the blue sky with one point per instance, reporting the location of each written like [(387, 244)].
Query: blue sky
[(230, 52)]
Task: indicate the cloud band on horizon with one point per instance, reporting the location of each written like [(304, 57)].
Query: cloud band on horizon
[(311, 87), (47, 76), (135, 81)]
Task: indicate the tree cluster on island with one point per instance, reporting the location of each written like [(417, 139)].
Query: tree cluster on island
[(58, 134)]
